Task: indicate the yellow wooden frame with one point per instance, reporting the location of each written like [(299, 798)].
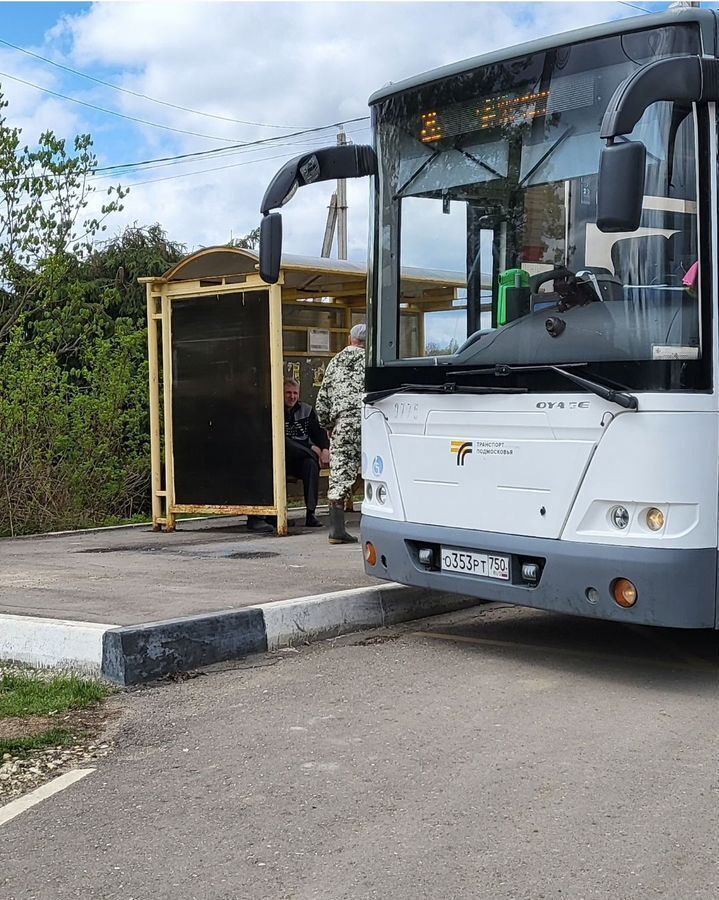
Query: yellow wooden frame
[(344, 282), (161, 296)]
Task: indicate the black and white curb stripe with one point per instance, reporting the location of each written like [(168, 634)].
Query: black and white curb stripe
[(134, 654), (141, 653)]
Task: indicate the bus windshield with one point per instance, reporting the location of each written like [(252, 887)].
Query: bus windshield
[(492, 174)]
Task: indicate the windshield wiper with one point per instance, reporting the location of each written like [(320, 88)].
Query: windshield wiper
[(449, 387), (621, 398)]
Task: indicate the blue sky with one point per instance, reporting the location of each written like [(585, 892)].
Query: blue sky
[(278, 64), (28, 22)]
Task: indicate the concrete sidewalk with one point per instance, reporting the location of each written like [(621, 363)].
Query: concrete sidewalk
[(126, 576), (133, 605)]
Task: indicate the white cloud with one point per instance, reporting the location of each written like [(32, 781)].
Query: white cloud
[(30, 110), (286, 63)]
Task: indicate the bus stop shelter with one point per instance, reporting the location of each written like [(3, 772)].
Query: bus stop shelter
[(220, 344)]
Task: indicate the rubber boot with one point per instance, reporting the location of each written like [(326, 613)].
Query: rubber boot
[(338, 533)]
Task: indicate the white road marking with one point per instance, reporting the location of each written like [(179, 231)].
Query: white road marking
[(15, 807)]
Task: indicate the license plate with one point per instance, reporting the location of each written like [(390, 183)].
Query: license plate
[(490, 565)]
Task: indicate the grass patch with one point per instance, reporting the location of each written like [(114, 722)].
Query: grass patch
[(39, 710), (114, 521), (56, 737), (26, 695), (146, 519)]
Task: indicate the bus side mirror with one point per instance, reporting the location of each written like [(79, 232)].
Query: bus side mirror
[(270, 247), (327, 164), (621, 186)]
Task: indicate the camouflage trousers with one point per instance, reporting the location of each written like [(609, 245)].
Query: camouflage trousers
[(345, 453)]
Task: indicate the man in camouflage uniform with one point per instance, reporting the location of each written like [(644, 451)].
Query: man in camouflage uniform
[(339, 408)]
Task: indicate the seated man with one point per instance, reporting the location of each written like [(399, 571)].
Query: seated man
[(306, 449)]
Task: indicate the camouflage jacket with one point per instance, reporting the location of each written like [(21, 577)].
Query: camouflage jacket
[(342, 387)]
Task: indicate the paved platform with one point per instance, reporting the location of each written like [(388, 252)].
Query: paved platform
[(133, 605), (128, 576)]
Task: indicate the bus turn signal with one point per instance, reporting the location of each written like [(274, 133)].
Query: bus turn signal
[(624, 592)]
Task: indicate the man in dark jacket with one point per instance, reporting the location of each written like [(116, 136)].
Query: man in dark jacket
[(306, 447), (306, 450)]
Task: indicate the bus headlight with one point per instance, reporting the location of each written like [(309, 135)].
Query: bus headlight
[(381, 494), (369, 490), (655, 519), (619, 517)]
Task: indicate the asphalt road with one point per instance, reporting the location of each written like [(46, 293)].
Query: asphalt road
[(495, 753)]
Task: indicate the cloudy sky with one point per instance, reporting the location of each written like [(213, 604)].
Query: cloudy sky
[(157, 80)]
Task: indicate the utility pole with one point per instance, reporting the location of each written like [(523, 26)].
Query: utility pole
[(330, 226), (337, 215), (341, 207)]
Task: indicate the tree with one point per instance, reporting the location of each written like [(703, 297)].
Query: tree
[(44, 196), (115, 266), (249, 241), (73, 371)]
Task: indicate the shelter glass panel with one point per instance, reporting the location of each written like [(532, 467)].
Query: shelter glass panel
[(221, 400)]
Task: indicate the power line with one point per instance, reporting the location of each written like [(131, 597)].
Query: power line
[(200, 154), (151, 166), (285, 156), (134, 184), (117, 87), (647, 12), (171, 161), (246, 162), (111, 112)]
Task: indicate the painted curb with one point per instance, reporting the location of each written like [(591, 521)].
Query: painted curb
[(322, 616), (55, 643), (135, 654)]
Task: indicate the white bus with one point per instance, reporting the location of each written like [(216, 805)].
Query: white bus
[(564, 453)]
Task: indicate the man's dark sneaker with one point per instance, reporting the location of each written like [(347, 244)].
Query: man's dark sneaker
[(256, 524), (311, 521)]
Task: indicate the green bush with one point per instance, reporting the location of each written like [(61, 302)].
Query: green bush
[(74, 443)]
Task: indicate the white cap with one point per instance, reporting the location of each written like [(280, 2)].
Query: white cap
[(359, 333)]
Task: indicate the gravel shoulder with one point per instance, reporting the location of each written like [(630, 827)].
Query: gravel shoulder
[(88, 734)]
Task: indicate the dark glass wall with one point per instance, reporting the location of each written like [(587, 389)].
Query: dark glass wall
[(221, 400)]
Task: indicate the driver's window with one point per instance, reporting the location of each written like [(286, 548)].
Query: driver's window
[(662, 250), (433, 297)]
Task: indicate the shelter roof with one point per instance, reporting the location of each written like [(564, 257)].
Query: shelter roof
[(220, 261), (315, 274)]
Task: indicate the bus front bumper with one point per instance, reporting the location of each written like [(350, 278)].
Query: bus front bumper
[(675, 588)]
